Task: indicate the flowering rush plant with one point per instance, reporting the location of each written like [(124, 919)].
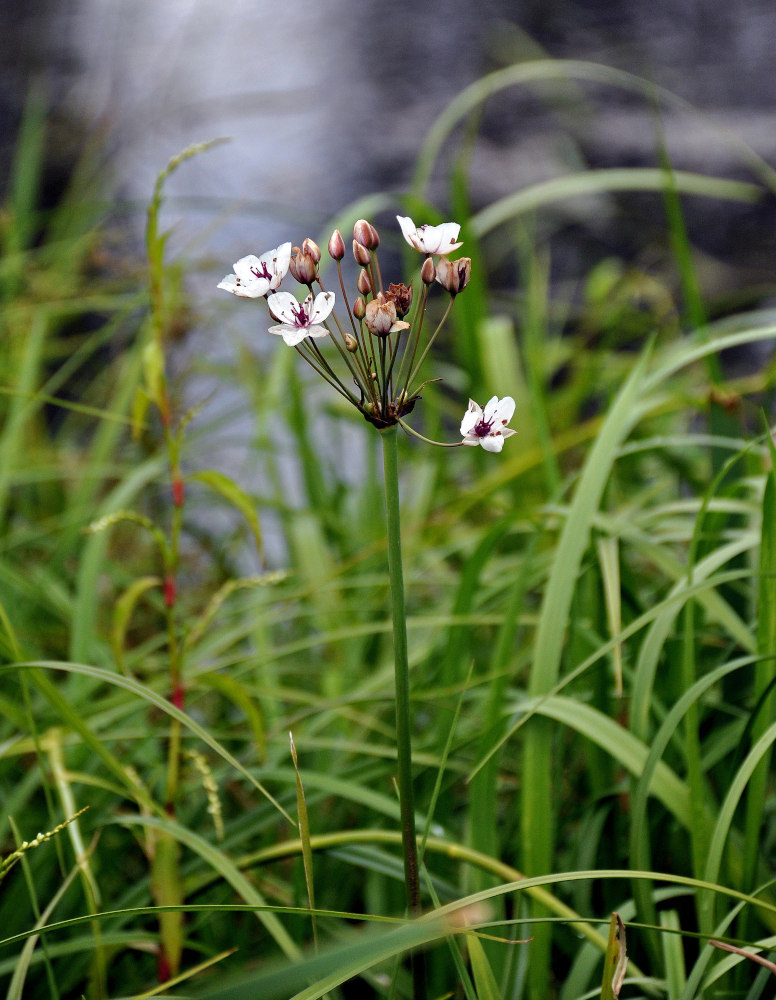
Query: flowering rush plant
[(380, 341), (382, 346)]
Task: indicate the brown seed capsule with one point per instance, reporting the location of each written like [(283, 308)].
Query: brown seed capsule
[(428, 271), (363, 283), (454, 275), (360, 253), (336, 245), (401, 295)]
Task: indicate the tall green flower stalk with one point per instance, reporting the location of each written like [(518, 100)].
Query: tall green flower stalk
[(379, 351), (401, 668)]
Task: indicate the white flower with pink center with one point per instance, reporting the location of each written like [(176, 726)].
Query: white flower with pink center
[(256, 276), (300, 320), (430, 239), (488, 427)]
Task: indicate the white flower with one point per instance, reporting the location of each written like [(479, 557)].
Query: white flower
[(488, 428), (255, 276), (298, 321), (430, 239)]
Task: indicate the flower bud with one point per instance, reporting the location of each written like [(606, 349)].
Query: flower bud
[(401, 295), (454, 275), (428, 271), (351, 344), (336, 245), (359, 308), (362, 233), (303, 264), (363, 283), (361, 254)]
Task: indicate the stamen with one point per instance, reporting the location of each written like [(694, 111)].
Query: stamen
[(300, 316), (482, 429), (264, 273)]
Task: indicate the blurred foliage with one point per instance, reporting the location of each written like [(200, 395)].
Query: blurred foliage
[(591, 653)]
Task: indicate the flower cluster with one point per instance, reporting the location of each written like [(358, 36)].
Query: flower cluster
[(380, 343)]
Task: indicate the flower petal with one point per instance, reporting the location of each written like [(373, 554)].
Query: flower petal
[(324, 303), (493, 442), (408, 230), (278, 260), (500, 411), (291, 334), (441, 239), (245, 289), (470, 420), (282, 305)]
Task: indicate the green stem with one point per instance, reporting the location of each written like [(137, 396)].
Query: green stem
[(402, 695)]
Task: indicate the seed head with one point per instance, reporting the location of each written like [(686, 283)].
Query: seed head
[(401, 296)]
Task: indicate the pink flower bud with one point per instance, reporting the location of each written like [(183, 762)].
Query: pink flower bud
[(360, 253), (428, 271), (362, 234), (364, 283), (336, 245)]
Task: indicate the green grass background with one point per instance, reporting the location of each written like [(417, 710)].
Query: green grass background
[(592, 618)]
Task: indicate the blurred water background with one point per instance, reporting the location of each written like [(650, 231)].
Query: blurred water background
[(325, 103)]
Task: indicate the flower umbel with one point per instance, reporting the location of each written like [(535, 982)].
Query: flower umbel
[(298, 321), (256, 276), (488, 427), (381, 342)]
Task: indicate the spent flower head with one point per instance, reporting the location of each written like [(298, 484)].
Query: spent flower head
[(304, 263), (380, 317), (454, 275)]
